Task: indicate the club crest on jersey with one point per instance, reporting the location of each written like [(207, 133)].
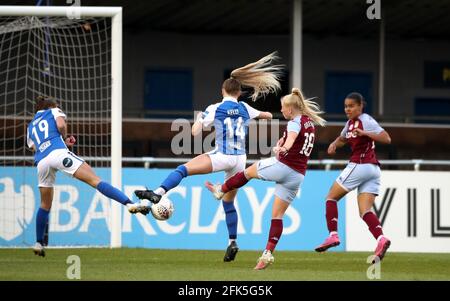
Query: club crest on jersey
[(67, 162), (351, 134), (308, 124)]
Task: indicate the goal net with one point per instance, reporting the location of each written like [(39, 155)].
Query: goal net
[(70, 59)]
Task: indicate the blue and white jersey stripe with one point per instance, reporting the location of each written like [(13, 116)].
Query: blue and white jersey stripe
[(230, 118)]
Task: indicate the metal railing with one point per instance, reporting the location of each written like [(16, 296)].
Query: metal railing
[(405, 119), (327, 163)]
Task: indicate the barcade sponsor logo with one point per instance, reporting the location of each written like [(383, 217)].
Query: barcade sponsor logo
[(81, 215)]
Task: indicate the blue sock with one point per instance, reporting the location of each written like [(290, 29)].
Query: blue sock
[(41, 223), (231, 218), (174, 178), (113, 193)]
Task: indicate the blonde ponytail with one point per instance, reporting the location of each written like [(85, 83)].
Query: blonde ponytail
[(260, 75), (306, 106)]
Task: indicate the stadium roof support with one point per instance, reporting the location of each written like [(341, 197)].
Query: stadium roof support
[(296, 38), (381, 64)]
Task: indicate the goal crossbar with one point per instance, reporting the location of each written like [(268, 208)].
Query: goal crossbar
[(61, 11)]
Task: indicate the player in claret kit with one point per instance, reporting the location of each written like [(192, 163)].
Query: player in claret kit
[(287, 169), (362, 172), (230, 118), (46, 136)]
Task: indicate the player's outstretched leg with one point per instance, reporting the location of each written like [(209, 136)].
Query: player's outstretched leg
[(149, 195), (86, 174), (134, 208), (216, 190), (117, 195), (332, 222), (172, 180), (235, 182), (264, 261)]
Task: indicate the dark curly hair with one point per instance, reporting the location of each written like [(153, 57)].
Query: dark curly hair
[(45, 102)]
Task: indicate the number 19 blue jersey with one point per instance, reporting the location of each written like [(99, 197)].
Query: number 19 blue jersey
[(42, 132), (231, 120)]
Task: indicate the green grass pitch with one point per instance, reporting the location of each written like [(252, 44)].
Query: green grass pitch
[(149, 264)]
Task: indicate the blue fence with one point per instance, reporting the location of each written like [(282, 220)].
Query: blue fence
[(79, 213)]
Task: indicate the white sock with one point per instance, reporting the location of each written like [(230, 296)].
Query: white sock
[(230, 241), (160, 191), (379, 237), (333, 233)]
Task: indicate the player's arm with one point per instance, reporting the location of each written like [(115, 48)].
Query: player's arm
[(280, 142), (265, 115), (339, 142), (382, 137), (198, 125), (291, 136), (62, 128), (374, 131), (204, 119), (254, 113), (30, 142), (293, 129)]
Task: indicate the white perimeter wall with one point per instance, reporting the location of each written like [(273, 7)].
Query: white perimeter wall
[(396, 217)]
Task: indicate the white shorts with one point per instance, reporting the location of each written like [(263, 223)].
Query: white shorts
[(59, 159), (231, 164), (365, 177), (288, 181)]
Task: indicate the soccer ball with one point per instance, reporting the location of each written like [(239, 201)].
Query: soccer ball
[(163, 210)]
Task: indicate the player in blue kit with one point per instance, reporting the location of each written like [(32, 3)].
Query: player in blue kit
[(46, 136), (230, 118)]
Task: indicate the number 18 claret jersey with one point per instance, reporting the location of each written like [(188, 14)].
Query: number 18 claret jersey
[(298, 155)]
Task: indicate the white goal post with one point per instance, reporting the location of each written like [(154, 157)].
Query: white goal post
[(115, 13)]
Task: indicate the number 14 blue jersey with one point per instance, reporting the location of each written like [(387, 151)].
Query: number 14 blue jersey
[(231, 119)]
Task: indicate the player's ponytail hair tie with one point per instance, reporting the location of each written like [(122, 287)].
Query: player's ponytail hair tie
[(296, 91), (299, 98)]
